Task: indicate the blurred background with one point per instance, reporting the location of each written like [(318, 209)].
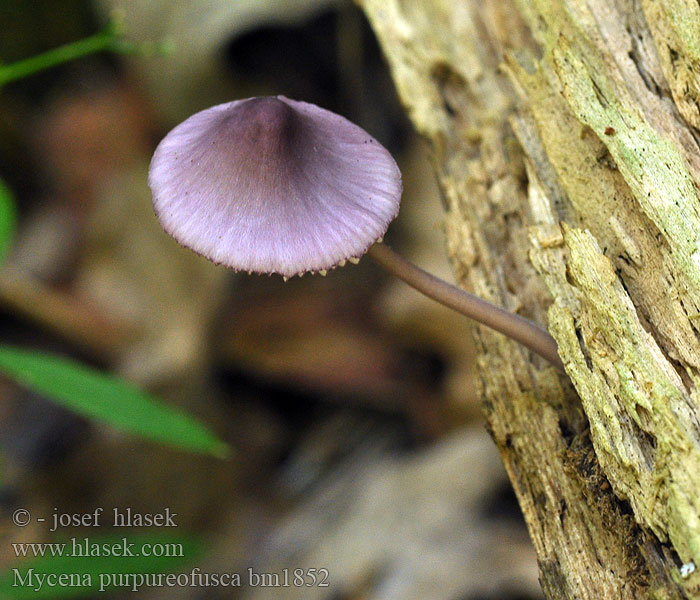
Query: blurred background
[(350, 401)]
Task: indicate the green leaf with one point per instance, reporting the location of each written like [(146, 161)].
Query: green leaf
[(64, 576), (108, 399), (8, 219)]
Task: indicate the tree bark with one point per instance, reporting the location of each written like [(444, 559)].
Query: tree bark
[(564, 136)]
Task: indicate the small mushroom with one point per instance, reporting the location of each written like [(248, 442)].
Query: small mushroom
[(273, 185)]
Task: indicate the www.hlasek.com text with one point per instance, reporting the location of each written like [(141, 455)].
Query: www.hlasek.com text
[(85, 547)]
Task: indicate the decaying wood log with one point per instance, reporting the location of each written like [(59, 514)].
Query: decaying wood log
[(564, 135)]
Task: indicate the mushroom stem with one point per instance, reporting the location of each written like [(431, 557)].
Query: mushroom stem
[(514, 326)]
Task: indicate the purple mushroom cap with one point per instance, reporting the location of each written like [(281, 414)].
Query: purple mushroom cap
[(274, 185)]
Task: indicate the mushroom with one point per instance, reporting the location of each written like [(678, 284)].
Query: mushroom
[(273, 185)]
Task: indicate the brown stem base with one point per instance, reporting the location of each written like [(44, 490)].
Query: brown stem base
[(514, 326)]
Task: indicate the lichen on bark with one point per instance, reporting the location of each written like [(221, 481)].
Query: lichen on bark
[(563, 135)]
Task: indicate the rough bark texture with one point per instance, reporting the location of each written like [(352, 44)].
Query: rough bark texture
[(565, 142)]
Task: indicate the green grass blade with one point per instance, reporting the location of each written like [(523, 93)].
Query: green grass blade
[(108, 40), (77, 576), (108, 399), (8, 220)]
